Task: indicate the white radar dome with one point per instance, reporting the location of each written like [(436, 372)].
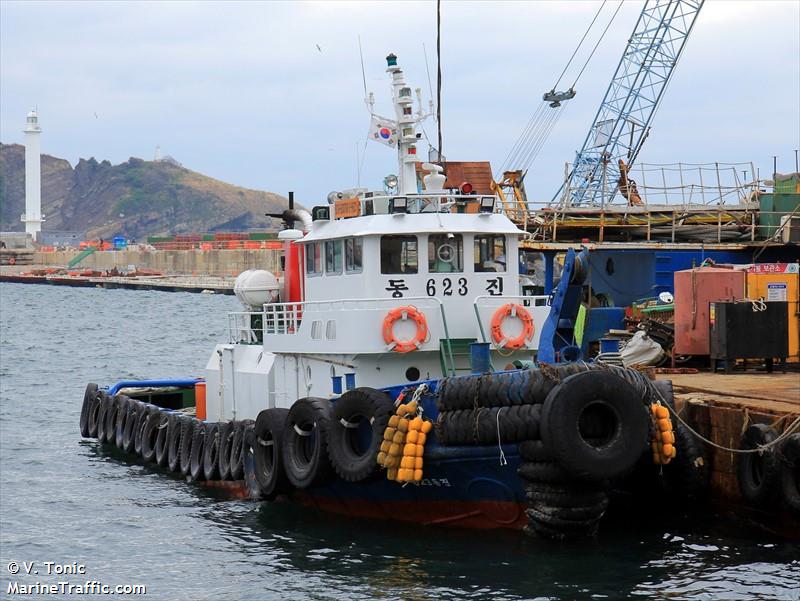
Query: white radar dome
[(256, 287)]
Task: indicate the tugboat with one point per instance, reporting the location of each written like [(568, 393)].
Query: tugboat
[(390, 372)]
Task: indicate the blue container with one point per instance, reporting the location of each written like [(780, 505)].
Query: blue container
[(480, 357), (119, 242), (350, 381), (609, 345), (336, 382)]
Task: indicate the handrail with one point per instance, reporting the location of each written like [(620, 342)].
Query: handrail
[(441, 201), (298, 308)]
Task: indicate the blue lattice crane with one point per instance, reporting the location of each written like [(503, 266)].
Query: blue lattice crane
[(624, 117)]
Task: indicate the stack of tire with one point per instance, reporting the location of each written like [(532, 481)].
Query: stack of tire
[(769, 479), (315, 441), (171, 439), (578, 426)]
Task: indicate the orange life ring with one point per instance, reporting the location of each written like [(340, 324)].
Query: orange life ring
[(511, 310), (12, 261), (402, 313)]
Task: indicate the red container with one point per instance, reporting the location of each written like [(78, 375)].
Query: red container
[(694, 290)]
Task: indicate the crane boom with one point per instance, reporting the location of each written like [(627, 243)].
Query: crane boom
[(624, 117)]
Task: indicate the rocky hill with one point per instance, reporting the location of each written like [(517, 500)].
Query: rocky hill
[(135, 199)]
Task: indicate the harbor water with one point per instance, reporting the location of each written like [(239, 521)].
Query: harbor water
[(69, 501)]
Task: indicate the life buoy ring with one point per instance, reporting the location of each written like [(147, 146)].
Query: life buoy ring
[(12, 261), (402, 313), (511, 310)]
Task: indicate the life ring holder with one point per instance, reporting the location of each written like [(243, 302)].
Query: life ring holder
[(402, 313), (512, 310)]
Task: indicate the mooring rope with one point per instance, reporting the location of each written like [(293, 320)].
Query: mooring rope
[(760, 449)]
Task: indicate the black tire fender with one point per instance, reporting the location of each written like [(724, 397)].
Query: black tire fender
[(534, 450), (150, 429), (136, 409), (110, 427), (162, 438), (790, 472), (574, 493), (196, 471), (264, 445), (759, 473), (123, 411), (542, 471), (358, 413), (226, 430), (174, 439), (238, 448), (100, 421), (141, 424), (187, 437), (211, 452), (305, 442), (588, 512), (587, 398), (89, 399)]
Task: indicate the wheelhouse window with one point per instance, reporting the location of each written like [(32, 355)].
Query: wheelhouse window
[(445, 253), (353, 252), (490, 252), (399, 254), (313, 259), (333, 257)]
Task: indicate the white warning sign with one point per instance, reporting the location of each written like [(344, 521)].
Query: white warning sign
[(776, 292)]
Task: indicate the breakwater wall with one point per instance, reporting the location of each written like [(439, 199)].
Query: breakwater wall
[(206, 262)]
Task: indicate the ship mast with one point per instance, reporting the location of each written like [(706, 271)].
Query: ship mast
[(406, 126)]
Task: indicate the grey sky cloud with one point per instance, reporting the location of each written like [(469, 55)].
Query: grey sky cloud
[(240, 91)]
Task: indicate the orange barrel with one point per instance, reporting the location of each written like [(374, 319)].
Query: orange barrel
[(200, 400)]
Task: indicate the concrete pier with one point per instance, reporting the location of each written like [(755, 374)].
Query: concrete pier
[(185, 262)]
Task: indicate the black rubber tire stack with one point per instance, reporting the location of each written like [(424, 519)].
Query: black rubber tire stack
[(472, 409), (560, 507), (594, 427)]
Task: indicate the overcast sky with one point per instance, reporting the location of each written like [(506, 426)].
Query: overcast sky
[(240, 91)]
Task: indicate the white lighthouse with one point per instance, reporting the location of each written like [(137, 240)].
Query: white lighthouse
[(33, 176)]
